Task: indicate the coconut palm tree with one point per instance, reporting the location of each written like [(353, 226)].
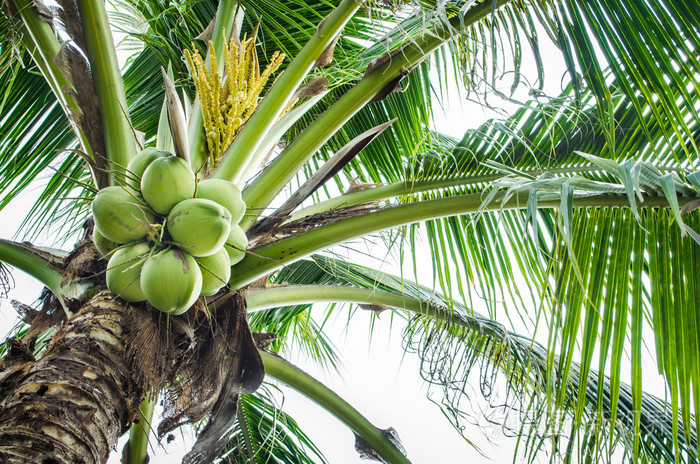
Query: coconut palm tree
[(574, 215)]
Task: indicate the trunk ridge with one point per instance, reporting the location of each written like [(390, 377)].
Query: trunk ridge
[(71, 405)]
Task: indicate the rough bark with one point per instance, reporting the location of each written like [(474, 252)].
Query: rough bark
[(71, 405), (74, 402)]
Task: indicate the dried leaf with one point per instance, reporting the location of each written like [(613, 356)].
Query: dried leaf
[(205, 35), (320, 177), (263, 340), (327, 56), (391, 87), (690, 207), (69, 16), (88, 119), (44, 11), (312, 88), (377, 309), (367, 452)]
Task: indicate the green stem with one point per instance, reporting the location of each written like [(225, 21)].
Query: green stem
[(237, 157), (380, 193), (258, 299), (270, 257), (276, 132), (411, 187), (36, 266), (111, 99), (137, 448), (272, 180), (221, 33), (42, 44), (299, 380)]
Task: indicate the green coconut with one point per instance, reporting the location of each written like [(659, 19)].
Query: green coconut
[(224, 193), (120, 215), (171, 281), (199, 226), (236, 244), (139, 163), (216, 271), (124, 271), (166, 182), (103, 244)]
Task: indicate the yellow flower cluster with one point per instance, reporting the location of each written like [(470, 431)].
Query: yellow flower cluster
[(228, 103)]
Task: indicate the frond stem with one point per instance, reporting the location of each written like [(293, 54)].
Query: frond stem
[(258, 299), (410, 187), (302, 382), (269, 258), (33, 264), (111, 99), (43, 46), (137, 447)]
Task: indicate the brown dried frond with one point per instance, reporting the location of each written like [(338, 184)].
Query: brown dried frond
[(221, 362), (50, 315)]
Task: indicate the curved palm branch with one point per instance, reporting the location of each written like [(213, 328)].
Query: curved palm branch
[(523, 152), (452, 342)]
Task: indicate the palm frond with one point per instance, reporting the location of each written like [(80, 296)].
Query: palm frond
[(287, 26), (263, 433), (649, 47), (541, 136), (490, 246), (612, 110), (35, 134), (590, 413)]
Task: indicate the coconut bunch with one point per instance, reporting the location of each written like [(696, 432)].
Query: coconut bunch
[(169, 239)]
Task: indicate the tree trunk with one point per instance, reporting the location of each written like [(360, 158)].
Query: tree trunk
[(71, 405)]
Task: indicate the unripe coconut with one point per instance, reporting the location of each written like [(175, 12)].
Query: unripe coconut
[(166, 182), (120, 216), (124, 270), (216, 271), (103, 244), (224, 193), (199, 226), (139, 163), (236, 244), (171, 281)]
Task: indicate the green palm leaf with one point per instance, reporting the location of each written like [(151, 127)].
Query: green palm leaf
[(265, 434), (459, 348), (35, 134)]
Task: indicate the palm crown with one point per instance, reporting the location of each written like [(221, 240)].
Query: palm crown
[(573, 216)]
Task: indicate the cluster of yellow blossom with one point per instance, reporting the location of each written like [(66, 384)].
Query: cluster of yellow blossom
[(228, 103)]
